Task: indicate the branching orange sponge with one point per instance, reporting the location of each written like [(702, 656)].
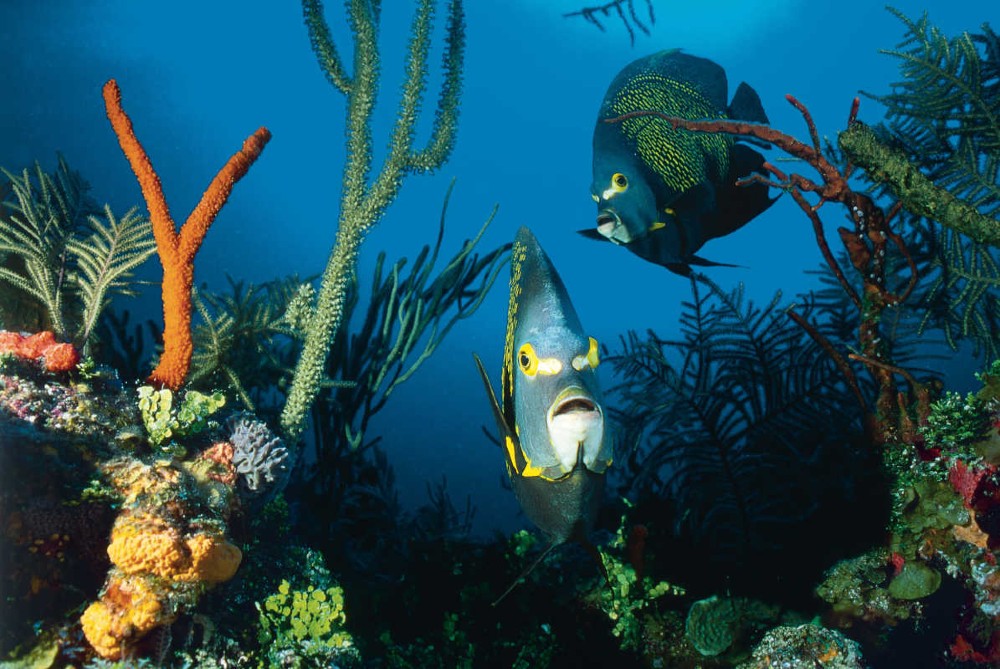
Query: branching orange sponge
[(177, 249)]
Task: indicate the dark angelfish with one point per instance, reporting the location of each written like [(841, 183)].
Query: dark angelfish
[(663, 192), (550, 413)]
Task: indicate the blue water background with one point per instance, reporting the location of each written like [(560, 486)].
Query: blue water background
[(198, 77)]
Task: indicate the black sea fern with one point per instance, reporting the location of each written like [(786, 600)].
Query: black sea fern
[(733, 422)]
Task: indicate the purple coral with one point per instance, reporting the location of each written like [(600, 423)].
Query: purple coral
[(260, 459)]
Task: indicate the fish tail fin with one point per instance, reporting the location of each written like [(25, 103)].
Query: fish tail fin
[(738, 205), (527, 571)]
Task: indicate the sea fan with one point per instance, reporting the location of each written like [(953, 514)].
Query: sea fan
[(959, 289), (733, 422)]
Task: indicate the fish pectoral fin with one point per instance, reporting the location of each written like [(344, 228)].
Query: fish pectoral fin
[(702, 262), (591, 233)]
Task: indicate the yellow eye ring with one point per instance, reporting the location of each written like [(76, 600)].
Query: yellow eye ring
[(619, 182), (527, 359)]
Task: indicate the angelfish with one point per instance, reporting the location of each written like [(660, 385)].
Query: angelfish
[(663, 192), (555, 438)]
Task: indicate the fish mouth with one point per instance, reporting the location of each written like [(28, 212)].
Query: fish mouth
[(607, 221), (576, 426), (575, 406), (611, 227)]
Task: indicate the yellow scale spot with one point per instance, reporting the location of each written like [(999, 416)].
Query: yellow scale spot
[(670, 157), (518, 255)]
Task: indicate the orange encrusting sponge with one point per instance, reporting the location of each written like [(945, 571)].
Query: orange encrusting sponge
[(153, 560)]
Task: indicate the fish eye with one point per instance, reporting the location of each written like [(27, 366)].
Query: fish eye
[(527, 359), (619, 181)]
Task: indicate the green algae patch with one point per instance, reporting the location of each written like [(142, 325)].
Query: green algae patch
[(915, 581)]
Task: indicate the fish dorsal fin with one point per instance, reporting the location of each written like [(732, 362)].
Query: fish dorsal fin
[(525, 573), (746, 105)]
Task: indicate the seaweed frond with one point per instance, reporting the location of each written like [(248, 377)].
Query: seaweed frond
[(243, 341), (959, 289)]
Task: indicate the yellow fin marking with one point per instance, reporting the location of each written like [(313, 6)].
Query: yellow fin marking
[(531, 471), (510, 454), (657, 225), (593, 354)]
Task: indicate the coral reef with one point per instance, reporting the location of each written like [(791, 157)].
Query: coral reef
[(168, 544)]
